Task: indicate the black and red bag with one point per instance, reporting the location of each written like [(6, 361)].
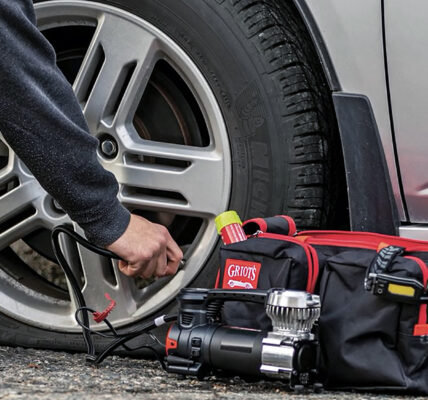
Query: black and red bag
[(373, 327)]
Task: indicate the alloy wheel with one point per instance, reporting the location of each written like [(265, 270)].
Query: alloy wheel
[(141, 94)]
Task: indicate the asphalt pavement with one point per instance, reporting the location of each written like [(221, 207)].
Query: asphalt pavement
[(38, 374)]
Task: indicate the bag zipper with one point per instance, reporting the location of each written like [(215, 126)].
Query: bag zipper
[(365, 240), (313, 263)]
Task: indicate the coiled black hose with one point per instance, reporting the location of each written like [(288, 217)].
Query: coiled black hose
[(84, 310)]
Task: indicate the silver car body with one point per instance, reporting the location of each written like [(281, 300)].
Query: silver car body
[(378, 49)]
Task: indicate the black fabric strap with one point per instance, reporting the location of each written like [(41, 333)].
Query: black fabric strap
[(280, 224), (384, 258)]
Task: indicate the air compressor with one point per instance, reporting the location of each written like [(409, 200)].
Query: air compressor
[(200, 345)]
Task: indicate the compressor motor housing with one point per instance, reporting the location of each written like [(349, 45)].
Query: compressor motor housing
[(200, 344)]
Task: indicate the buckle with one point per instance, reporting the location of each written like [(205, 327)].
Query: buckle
[(394, 288)]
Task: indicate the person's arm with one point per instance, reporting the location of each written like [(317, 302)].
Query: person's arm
[(42, 121)]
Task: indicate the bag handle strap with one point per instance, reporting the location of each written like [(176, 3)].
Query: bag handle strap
[(384, 258), (280, 224)]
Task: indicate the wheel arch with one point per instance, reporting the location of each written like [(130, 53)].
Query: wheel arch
[(320, 45), (374, 204)]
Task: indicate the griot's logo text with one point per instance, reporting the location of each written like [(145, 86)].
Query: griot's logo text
[(242, 271)]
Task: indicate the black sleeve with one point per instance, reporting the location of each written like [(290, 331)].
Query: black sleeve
[(42, 121)]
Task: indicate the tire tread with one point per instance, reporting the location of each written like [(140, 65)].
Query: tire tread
[(276, 31)]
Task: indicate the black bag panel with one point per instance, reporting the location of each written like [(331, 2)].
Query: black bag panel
[(282, 264), (324, 254), (414, 354), (422, 255), (282, 273), (362, 334), (355, 341)]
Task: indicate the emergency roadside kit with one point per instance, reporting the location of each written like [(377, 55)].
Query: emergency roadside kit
[(368, 290), (373, 325)]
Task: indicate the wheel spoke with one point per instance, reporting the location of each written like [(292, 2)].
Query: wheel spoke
[(115, 71), (18, 216), (13, 168), (18, 199), (189, 190), (100, 278), (96, 285), (19, 230), (7, 174), (4, 149)]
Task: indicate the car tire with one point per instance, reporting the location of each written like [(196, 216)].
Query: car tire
[(262, 67)]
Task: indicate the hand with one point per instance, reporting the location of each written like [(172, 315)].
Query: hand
[(148, 249)]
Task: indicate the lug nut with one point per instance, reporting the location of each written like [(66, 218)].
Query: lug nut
[(109, 148)]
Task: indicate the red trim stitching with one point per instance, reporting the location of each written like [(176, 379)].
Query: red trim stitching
[(291, 224), (217, 280), (308, 252), (315, 267), (259, 221), (423, 307), (422, 266), (422, 314)]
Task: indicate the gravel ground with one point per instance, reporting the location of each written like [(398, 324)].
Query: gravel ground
[(37, 374)]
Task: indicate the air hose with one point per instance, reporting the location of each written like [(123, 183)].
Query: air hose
[(82, 311)]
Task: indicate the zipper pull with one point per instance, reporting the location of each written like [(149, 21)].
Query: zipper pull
[(256, 234)]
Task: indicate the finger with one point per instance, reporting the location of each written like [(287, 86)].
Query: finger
[(161, 264), (147, 269), (174, 256), (172, 267), (173, 263), (127, 269), (175, 252)]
